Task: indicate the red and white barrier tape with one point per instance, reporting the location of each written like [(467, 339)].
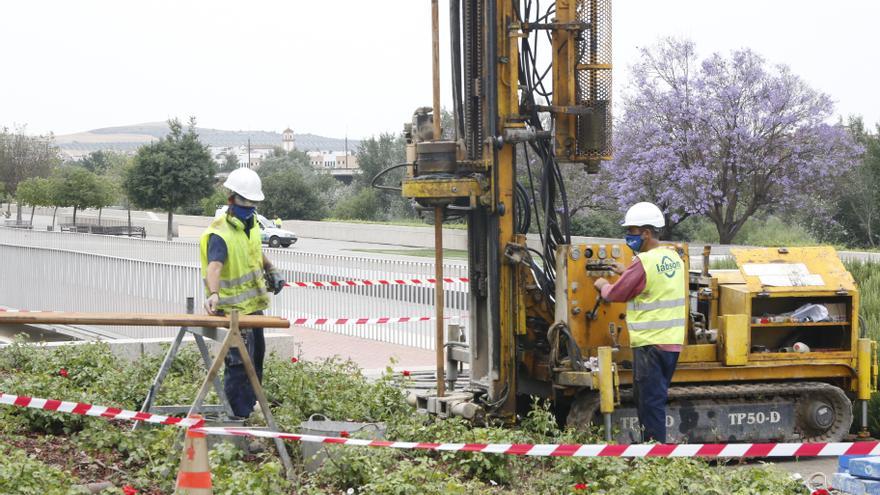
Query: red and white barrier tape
[(365, 321), (370, 283), (98, 411), (704, 450), (5, 310)]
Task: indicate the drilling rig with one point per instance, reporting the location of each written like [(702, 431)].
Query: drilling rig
[(531, 84)]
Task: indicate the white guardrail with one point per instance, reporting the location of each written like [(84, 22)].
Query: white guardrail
[(84, 272)]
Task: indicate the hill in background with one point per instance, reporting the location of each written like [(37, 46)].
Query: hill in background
[(128, 138)]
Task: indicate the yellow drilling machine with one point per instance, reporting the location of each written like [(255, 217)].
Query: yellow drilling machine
[(774, 350)]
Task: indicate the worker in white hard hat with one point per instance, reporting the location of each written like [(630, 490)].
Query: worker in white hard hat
[(236, 274), (653, 287)]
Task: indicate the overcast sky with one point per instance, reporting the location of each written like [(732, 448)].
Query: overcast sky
[(352, 66)]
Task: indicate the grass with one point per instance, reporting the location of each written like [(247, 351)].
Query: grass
[(723, 264), (455, 254), (867, 276)]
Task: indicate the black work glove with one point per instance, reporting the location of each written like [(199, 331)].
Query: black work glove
[(274, 282)]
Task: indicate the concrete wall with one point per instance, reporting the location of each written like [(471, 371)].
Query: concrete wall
[(398, 235)]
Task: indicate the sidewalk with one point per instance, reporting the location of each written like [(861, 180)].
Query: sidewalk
[(370, 355)]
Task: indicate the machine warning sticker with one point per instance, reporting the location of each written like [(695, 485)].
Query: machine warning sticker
[(783, 274)]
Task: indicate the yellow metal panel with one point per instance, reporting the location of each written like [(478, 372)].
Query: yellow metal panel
[(442, 188), (805, 358), (821, 260), (735, 339), (700, 353), (728, 276), (574, 277), (606, 381), (564, 60), (694, 353), (752, 373), (864, 368), (735, 299)]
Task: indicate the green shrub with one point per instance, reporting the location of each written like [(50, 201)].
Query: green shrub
[(649, 476), (695, 230), (332, 387), (233, 474), (594, 223), (867, 277), (351, 468), (337, 389), (25, 475), (774, 231), (362, 205), (420, 476)]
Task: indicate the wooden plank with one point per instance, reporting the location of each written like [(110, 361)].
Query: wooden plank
[(137, 319)]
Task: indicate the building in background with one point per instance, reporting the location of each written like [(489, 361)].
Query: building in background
[(252, 155), (288, 142)]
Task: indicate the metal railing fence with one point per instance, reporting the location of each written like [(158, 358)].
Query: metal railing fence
[(83, 272)]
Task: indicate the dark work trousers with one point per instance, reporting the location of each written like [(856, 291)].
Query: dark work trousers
[(652, 374), (235, 381)]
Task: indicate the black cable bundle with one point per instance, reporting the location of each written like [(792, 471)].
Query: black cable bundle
[(552, 215)]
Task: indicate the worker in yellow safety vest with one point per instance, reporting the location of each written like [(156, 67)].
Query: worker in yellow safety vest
[(237, 274), (653, 287)]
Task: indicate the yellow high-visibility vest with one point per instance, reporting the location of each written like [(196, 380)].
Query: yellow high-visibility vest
[(659, 314), (242, 286)]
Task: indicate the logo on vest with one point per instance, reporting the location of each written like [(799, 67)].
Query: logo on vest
[(668, 267)]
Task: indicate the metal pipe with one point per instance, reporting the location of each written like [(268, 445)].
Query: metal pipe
[(455, 31), (607, 418), (435, 46), (438, 291)]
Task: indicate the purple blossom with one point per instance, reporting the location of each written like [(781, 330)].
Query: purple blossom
[(726, 138)]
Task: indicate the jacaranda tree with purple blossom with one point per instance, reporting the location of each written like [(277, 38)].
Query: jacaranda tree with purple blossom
[(727, 138)]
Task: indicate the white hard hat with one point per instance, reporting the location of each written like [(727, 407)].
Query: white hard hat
[(644, 213), (246, 183)]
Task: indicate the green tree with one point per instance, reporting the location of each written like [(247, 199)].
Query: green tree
[(293, 188), (78, 188), (171, 172), (375, 155), (291, 194), (230, 162), (3, 195), (280, 161), (115, 173), (362, 205), (97, 161), (215, 200), (859, 198), (23, 156), (36, 191)]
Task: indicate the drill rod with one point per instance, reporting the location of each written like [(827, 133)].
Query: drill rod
[(438, 290)]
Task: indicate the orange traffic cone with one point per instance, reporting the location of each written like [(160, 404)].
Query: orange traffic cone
[(194, 477)]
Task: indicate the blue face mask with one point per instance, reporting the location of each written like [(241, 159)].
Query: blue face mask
[(243, 213), (634, 241)]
